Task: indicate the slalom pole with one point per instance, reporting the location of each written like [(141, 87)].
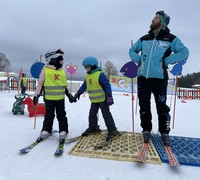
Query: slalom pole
[(71, 80), (132, 91), (35, 116), (172, 92), (175, 101), (20, 80), (136, 104)]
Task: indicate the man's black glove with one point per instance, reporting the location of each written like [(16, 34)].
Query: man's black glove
[(69, 95), (35, 100)]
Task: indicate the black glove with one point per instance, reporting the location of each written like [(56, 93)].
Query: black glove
[(109, 99), (35, 100), (77, 96), (70, 97)]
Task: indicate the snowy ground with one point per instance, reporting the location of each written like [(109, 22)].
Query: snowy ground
[(16, 131)]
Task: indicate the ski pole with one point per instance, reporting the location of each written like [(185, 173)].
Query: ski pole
[(175, 101), (35, 116)]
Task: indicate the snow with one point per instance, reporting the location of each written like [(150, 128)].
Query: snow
[(16, 131)]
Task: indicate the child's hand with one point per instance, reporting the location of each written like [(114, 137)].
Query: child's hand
[(109, 100)]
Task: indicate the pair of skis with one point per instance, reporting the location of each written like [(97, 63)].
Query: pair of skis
[(142, 156), (59, 150), (99, 146)]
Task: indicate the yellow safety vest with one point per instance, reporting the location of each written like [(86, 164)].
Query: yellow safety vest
[(24, 81), (95, 91), (55, 84)]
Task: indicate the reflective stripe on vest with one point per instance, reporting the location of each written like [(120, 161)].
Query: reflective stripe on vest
[(24, 81), (95, 91), (55, 84)]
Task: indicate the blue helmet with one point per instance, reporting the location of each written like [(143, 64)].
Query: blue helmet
[(90, 61)]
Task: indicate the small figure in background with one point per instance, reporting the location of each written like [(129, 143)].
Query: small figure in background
[(23, 84)]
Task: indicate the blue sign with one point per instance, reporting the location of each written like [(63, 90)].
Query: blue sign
[(177, 68), (129, 69), (36, 69)]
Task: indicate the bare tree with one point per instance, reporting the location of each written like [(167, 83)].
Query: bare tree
[(4, 63), (109, 69)]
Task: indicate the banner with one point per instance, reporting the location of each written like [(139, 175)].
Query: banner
[(123, 84)]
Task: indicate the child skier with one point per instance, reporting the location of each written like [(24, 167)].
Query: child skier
[(100, 95), (54, 81)]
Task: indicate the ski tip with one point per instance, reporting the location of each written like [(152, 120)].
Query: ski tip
[(22, 151), (58, 154)]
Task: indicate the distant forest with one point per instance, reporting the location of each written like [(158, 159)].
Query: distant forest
[(188, 80)]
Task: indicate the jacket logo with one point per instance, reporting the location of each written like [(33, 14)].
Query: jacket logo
[(56, 77), (163, 44), (90, 81)]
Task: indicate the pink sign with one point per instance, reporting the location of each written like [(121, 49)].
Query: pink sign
[(71, 70)]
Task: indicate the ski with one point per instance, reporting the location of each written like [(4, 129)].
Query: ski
[(60, 148), (142, 156), (71, 140), (171, 157), (31, 146), (105, 143), (28, 148), (76, 138)]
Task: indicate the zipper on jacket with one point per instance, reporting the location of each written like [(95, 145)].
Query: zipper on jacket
[(150, 58)]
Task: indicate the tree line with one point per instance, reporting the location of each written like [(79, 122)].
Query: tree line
[(5, 64), (188, 80)]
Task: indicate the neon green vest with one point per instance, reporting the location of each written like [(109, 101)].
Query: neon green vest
[(24, 81), (95, 91), (55, 84)]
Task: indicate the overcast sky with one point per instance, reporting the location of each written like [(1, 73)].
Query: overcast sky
[(100, 28)]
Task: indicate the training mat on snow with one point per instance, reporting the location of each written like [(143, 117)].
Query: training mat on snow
[(186, 149), (123, 148)]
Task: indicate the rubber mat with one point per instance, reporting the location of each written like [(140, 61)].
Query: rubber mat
[(124, 148), (186, 149)]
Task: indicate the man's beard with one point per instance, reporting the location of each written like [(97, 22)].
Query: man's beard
[(154, 26)]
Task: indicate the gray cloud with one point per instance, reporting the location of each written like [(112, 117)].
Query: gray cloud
[(83, 28)]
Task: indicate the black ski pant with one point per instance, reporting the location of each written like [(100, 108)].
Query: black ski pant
[(51, 108), (159, 89), (109, 121), (23, 89)]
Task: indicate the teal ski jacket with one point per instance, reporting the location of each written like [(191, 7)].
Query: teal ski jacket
[(153, 53)]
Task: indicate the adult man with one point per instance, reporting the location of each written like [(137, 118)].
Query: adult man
[(158, 49)]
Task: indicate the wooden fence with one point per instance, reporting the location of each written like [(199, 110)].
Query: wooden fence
[(12, 85), (188, 93)]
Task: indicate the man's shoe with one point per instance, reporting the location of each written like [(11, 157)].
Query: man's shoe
[(146, 136), (90, 130), (165, 138)]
